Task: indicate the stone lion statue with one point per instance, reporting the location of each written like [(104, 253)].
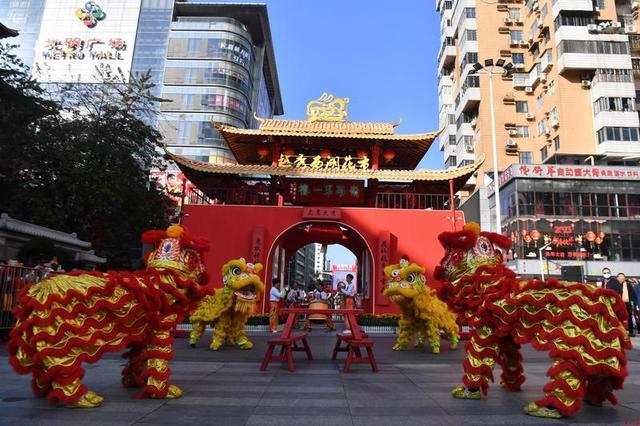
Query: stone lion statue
[(580, 325), (421, 312), (229, 308), (70, 319)]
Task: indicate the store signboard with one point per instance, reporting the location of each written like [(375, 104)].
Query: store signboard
[(78, 37), (566, 171)]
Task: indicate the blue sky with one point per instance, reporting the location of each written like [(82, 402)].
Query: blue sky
[(380, 54)]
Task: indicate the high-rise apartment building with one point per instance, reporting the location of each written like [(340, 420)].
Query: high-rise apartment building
[(566, 126), (220, 66), (572, 94)]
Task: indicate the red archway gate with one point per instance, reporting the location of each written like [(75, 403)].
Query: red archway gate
[(388, 234)]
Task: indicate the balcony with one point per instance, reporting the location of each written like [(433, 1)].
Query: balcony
[(572, 5)]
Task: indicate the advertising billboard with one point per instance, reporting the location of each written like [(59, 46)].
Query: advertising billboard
[(77, 37), (340, 273)]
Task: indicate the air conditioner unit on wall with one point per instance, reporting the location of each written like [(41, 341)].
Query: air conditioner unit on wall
[(592, 28), (530, 116), (547, 131), (513, 132), (555, 123), (511, 143), (586, 84), (630, 29), (524, 43), (528, 89), (518, 66), (543, 77)]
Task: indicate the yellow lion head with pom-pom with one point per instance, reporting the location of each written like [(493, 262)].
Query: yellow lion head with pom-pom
[(422, 313), (241, 277), (404, 281)]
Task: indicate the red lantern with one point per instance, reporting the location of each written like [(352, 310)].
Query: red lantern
[(527, 239), (362, 153), (263, 151), (288, 151), (590, 236), (535, 235), (325, 153), (523, 233), (598, 240), (388, 155)]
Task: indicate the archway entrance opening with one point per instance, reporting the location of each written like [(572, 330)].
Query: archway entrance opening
[(298, 254)]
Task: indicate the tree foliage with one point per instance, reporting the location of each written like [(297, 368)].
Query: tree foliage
[(77, 157)]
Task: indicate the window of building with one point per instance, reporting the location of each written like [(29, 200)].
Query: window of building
[(621, 134), (470, 35), (451, 161), (183, 132), (541, 127), (545, 11), (517, 58), (516, 36), (514, 13), (614, 104), (600, 4), (553, 114), (523, 131), (452, 139), (573, 21), (544, 153), (593, 47), (470, 12), (613, 75), (522, 106), (525, 157), (540, 100), (556, 143)]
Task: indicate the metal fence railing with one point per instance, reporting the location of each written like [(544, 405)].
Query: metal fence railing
[(12, 280)]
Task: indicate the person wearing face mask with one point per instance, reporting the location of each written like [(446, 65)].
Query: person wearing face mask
[(606, 278)]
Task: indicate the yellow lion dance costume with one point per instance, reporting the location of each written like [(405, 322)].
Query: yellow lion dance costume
[(75, 318), (421, 312), (581, 326), (228, 309)]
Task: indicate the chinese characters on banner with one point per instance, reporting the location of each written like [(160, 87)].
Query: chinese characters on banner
[(383, 259), (301, 161), (333, 193), (562, 171), (320, 213), (74, 48), (257, 242)]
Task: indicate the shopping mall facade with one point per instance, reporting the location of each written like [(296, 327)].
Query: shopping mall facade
[(567, 214), (214, 62)]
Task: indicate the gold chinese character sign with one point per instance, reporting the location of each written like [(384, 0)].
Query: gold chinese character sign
[(300, 161), (327, 108)]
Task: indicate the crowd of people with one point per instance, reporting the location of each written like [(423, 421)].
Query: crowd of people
[(629, 290), (343, 297)]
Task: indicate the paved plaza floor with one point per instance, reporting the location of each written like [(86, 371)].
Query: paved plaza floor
[(227, 388)]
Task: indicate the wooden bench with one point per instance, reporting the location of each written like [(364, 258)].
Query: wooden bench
[(288, 345), (354, 354), (344, 337)]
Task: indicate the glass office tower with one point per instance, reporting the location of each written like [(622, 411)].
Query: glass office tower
[(220, 67)]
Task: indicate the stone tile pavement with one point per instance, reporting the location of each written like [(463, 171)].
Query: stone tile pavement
[(226, 388)]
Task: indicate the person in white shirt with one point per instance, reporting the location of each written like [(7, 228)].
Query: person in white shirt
[(348, 294), (274, 304)]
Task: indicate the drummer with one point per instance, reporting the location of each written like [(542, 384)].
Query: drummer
[(319, 294)]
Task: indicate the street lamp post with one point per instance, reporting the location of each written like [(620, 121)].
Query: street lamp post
[(489, 69), (540, 257)]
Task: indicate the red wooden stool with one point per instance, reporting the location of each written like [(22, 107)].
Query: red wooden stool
[(288, 345), (353, 355), (344, 337)]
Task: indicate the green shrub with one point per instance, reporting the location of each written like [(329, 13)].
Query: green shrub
[(383, 320)]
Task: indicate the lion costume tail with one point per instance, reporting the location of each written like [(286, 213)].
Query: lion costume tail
[(68, 319), (583, 330)]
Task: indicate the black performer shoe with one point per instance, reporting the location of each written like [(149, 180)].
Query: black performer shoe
[(193, 345)]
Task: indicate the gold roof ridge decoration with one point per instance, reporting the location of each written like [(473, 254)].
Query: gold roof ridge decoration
[(327, 108)]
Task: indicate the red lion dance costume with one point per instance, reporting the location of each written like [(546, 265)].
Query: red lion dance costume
[(580, 326), (69, 319)]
